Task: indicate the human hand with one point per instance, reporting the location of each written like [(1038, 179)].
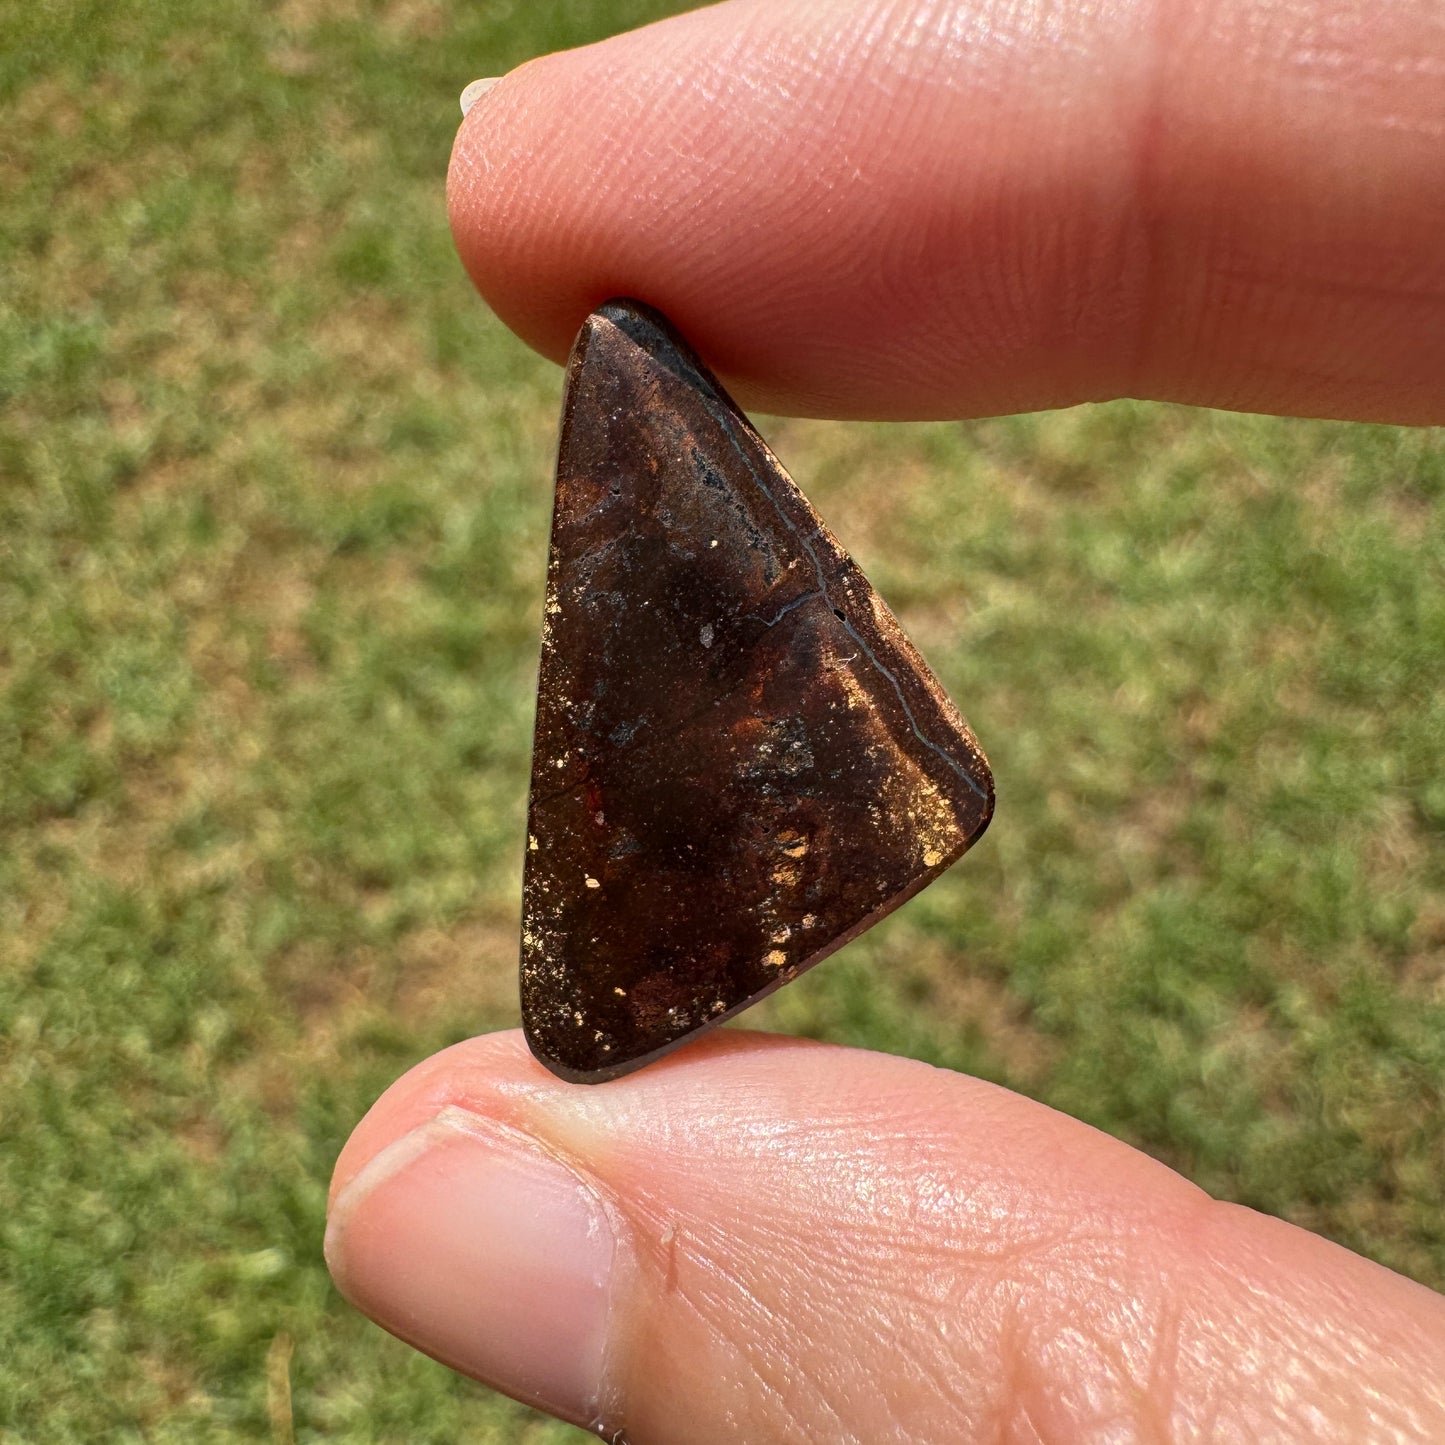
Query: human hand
[(906, 210)]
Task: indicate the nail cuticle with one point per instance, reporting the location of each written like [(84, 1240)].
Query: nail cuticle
[(487, 1249)]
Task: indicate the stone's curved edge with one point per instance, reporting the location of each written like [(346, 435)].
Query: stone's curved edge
[(622, 1068)]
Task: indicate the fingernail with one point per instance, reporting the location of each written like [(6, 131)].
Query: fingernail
[(476, 90), (475, 1245)]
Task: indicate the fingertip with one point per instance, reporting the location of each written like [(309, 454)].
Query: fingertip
[(496, 1076), (488, 1252), (479, 1070), (513, 204)]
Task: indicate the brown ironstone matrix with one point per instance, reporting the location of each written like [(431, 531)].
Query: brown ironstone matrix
[(740, 761)]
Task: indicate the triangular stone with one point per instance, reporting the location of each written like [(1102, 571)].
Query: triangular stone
[(740, 761)]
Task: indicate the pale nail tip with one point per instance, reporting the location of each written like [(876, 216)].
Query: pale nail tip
[(476, 90)]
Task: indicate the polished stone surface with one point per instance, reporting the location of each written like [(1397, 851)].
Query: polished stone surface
[(740, 761)]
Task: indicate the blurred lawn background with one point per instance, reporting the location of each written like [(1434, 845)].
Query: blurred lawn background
[(274, 491)]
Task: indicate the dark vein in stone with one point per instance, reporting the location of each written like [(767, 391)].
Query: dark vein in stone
[(725, 418)]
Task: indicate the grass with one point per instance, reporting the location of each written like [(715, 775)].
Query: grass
[(273, 499)]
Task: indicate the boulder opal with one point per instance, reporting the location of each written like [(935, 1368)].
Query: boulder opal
[(740, 761)]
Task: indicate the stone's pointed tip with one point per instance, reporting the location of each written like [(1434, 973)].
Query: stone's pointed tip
[(740, 762), (628, 308), (644, 325), (624, 335), (632, 315), (604, 334)]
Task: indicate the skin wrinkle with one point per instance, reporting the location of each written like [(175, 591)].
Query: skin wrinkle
[(1017, 1396), (928, 1390), (1144, 1376), (1160, 1395), (915, 273), (1344, 161), (1082, 1341), (1146, 1402), (1051, 249), (729, 1321), (731, 1315), (1285, 1322), (945, 1386), (781, 1373), (924, 1203), (881, 1215), (767, 1245)]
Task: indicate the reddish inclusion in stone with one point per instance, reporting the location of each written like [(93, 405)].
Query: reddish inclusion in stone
[(740, 761)]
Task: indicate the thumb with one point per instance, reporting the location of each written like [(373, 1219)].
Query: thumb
[(762, 1239)]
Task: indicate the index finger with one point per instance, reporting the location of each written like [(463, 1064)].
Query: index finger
[(920, 209)]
